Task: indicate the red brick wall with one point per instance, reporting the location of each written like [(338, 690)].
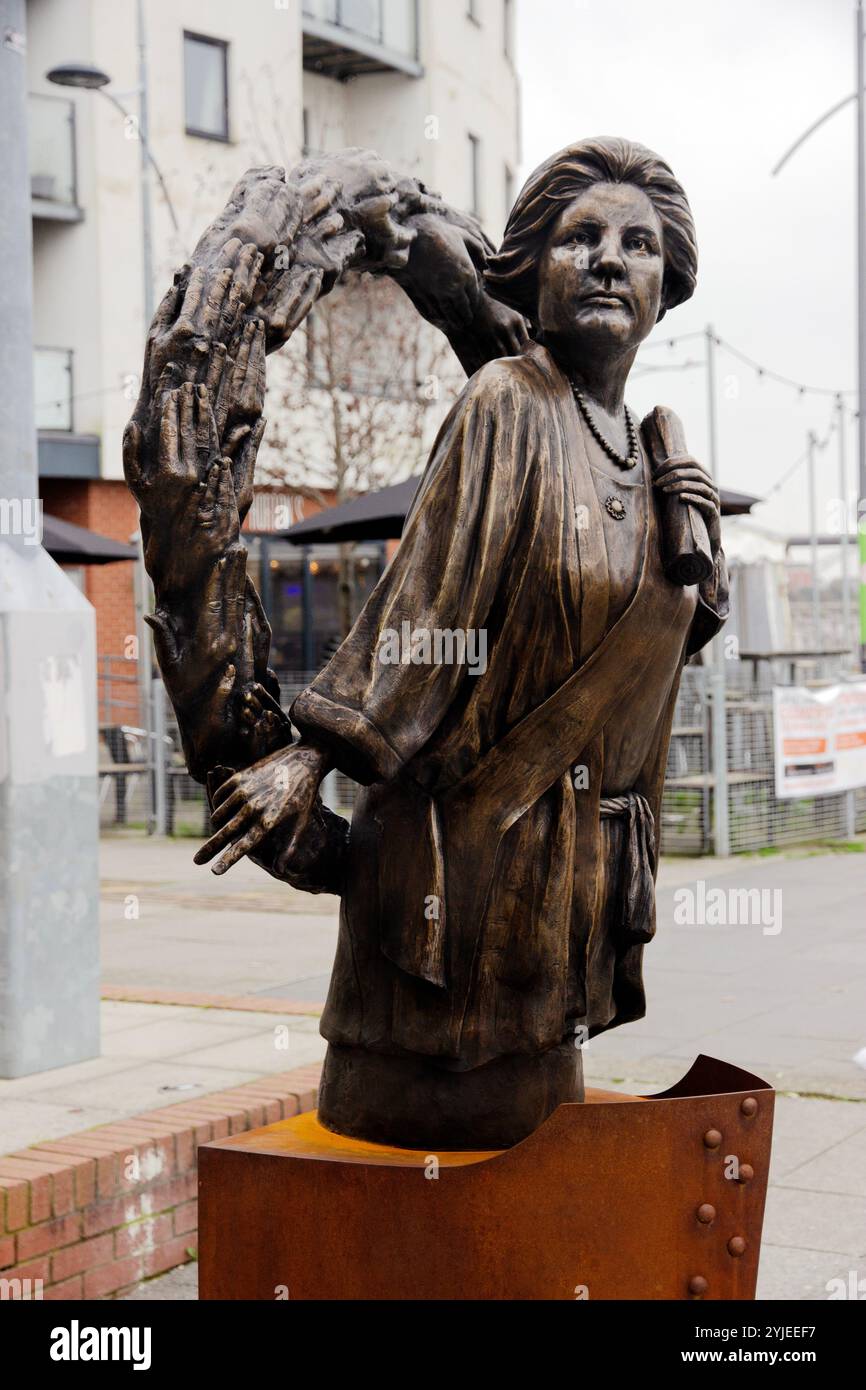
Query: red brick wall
[(108, 508), (111, 588), (92, 1214)]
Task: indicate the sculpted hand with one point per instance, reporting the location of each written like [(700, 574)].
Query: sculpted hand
[(216, 523), (193, 646), (187, 443), (367, 197), (235, 377), (237, 385), (685, 478), (443, 277), (445, 281), (495, 331), (320, 246), (262, 208), (265, 726), (204, 306), (280, 790), (290, 297)]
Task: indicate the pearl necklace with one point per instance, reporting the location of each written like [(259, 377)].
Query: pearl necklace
[(631, 433)]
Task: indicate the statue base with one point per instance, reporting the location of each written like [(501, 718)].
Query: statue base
[(411, 1103), (621, 1197)]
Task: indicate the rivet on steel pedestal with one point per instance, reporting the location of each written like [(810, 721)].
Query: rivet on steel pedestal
[(712, 1139)]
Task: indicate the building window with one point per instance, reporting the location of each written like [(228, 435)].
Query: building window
[(475, 175), (206, 94), (52, 388), (363, 17), (472, 9), (508, 29), (509, 191)]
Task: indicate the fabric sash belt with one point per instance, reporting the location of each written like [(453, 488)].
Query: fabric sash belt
[(636, 865)]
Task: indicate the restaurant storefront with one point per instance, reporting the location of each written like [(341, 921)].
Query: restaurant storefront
[(300, 593)]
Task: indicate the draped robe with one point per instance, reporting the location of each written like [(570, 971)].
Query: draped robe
[(442, 953)]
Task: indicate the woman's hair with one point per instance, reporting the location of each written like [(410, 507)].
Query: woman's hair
[(512, 274)]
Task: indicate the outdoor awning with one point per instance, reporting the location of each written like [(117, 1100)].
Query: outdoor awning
[(376, 516), (75, 545), (736, 503), (380, 515)]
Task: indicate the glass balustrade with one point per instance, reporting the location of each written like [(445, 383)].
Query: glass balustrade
[(51, 132), (388, 28), (52, 388)]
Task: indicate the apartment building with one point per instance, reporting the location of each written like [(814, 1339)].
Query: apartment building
[(431, 84)]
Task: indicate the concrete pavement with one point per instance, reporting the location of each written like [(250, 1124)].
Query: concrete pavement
[(782, 992), (777, 984), (167, 922), (153, 1055)]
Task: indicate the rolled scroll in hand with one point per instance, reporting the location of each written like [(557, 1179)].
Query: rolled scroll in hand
[(687, 554)]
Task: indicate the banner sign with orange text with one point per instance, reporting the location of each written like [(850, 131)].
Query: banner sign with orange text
[(820, 739)]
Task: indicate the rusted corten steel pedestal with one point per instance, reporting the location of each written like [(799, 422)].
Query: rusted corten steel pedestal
[(623, 1197)]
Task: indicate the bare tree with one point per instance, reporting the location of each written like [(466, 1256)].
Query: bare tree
[(354, 401)]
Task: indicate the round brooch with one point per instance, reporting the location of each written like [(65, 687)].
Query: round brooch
[(615, 508)]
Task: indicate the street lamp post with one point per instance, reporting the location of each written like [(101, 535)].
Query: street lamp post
[(857, 98), (817, 628), (843, 493), (716, 673), (861, 333), (90, 78)]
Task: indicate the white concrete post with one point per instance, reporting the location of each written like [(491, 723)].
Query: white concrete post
[(49, 929)]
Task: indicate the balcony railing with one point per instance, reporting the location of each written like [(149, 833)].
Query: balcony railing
[(51, 122), (52, 388), (348, 38)]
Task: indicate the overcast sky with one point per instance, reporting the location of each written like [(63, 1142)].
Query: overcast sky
[(721, 90)]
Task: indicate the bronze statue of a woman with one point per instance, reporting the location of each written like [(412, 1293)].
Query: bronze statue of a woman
[(497, 881)]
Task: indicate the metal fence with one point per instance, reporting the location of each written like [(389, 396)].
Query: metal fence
[(687, 806), (133, 784), (125, 766), (757, 819), (143, 781)]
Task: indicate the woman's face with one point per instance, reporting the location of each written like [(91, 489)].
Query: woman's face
[(601, 271)]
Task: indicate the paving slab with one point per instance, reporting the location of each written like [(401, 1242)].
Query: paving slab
[(803, 1130), (802, 1219), (839, 1170), (153, 1055), (791, 1273)]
